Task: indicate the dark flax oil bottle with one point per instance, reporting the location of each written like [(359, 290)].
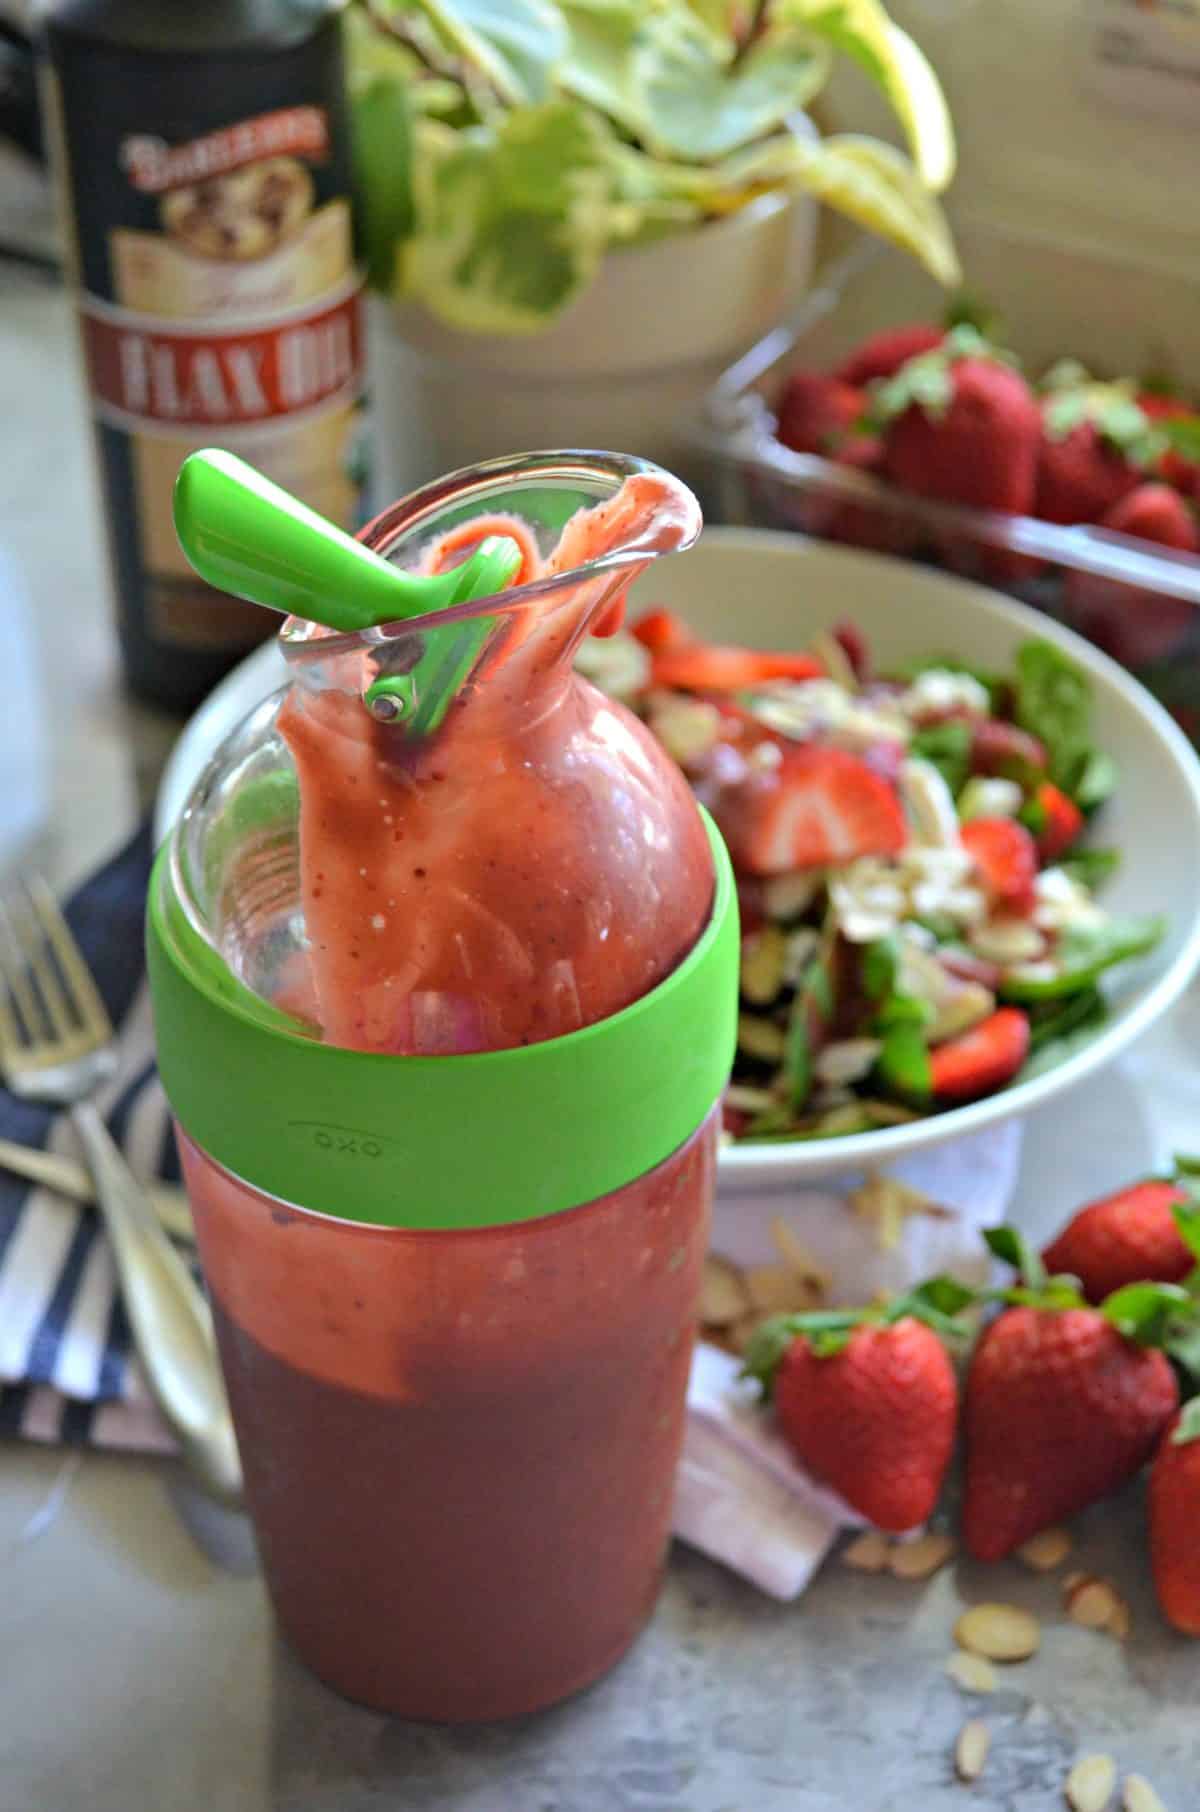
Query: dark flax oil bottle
[(204, 163)]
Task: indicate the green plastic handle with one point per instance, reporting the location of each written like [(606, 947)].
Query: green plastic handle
[(247, 536)]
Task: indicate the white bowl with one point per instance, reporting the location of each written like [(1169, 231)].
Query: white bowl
[(776, 591)]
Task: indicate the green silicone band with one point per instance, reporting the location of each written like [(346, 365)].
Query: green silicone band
[(440, 1142)]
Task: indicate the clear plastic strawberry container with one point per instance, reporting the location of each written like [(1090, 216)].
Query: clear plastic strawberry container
[(1138, 602)]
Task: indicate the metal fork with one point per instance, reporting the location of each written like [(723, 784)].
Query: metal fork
[(57, 1046)]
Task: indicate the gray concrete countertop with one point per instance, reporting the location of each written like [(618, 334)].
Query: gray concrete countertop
[(141, 1669)]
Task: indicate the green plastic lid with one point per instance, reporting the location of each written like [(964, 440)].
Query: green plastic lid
[(481, 1140)]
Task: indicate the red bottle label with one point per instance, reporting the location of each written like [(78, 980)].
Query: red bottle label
[(143, 372)]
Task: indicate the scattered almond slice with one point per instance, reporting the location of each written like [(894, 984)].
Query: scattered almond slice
[(1092, 1603), (867, 1553), (796, 1255), (1089, 1786), (723, 1298), (1120, 1623), (775, 1289), (971, 1749), (972, 1672), (832, 656), (1046, 1550), (1139, 1796), (922, 1558), (888, 1203), (1070, 1581), (998, 1632)]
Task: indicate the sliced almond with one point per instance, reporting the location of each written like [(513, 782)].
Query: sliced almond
[(796, 1255), (789, 896), (723, 1297), (867, 1553), (1092, 1603), (1120, 1623), (776, 1290), (764, 956), (1139, 1796), (971, 1672), (971, 1749), (1046, 1550), (833, 658), (886, 1202), (920, 1559), (998, 1632), (760, 1038), (1089, 1786), (1070, 1581)]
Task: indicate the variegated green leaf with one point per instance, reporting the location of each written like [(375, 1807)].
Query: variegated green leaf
[(861, 30), (515, 44), (510, 224)]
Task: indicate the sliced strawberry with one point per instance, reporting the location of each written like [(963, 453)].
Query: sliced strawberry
[(1061, 821), (817, 807), (1006, 856), (661, 630), (721, 667), (1000, 748), (983, 1059)]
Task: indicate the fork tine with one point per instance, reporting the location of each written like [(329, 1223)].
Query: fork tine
[(84, 994), (11, 1040), (49, 987), (15, 974)]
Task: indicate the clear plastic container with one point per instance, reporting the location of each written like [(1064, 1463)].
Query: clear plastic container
[(445, 1003), (1138, 602)]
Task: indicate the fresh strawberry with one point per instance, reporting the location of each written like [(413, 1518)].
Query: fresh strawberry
[(962, 429), (882, 354), (878, 526), (1000, 748), (1097, 446), (1132, 624), (816, 413), (1006, 857), (1129, 1237), (1061, 1409), (818, 806), (1174, 1509), (1154, 512), (870, 1408), (1081, 477), (1059, 821), (661, 630), (721, 667), (981, 1060), (1174, 467)]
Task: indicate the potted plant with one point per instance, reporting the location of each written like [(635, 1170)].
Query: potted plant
[(579, 211)]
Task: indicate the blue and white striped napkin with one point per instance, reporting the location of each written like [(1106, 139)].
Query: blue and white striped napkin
[(67, 1371)]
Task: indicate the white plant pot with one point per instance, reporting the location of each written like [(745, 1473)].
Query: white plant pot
[(621, 369)]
